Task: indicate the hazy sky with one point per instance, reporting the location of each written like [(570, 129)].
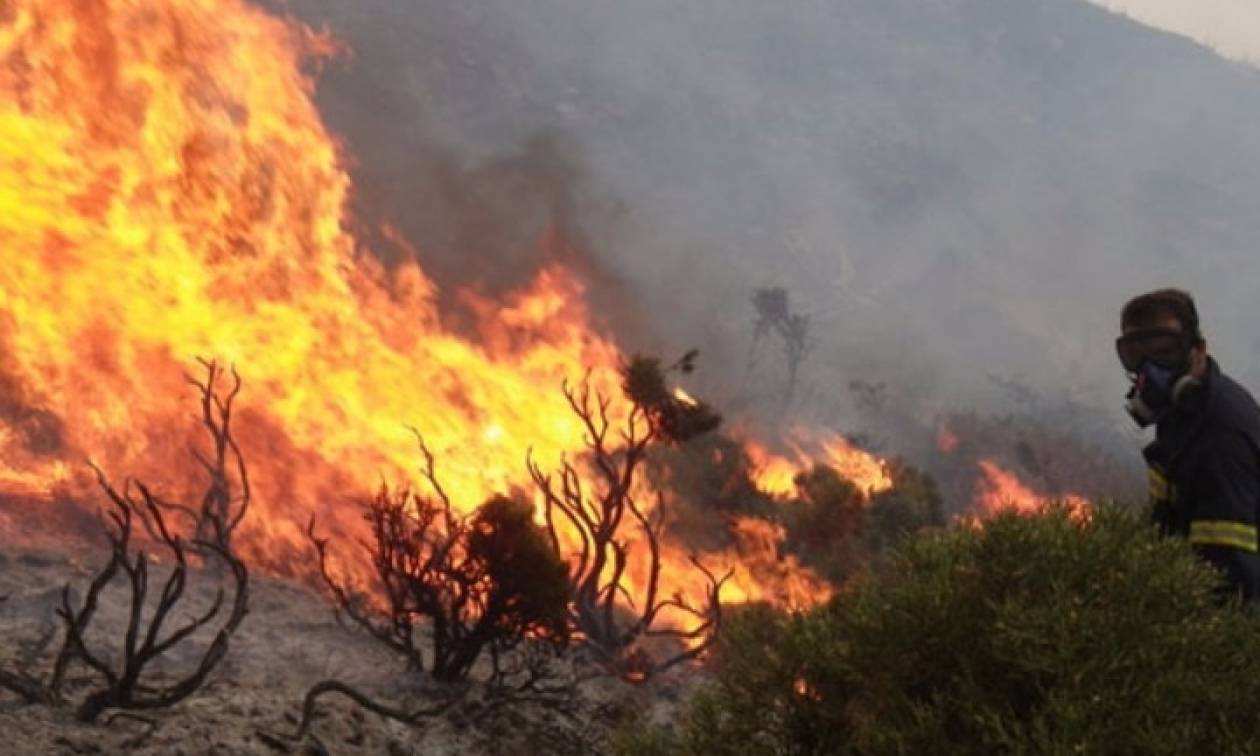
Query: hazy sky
[(1232, 27)]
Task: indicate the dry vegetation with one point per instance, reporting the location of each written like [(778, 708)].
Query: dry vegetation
[(480, 633)]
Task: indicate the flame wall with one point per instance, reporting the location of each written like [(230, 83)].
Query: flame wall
[(167, 191)]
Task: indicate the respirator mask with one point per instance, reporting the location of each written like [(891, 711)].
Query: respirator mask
[(1158, 363)]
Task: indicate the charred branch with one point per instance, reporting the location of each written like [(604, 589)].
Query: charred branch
[(30, 689), (227, 497), (150, 727), (144, 640), (120, 675), (329, 687), (609, 522)]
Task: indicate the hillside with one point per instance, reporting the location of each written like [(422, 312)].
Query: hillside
[(1052, 156)]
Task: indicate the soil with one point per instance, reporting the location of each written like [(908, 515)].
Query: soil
[(251, 703)]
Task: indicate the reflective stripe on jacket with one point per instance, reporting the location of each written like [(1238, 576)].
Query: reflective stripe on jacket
[(1204, 477)]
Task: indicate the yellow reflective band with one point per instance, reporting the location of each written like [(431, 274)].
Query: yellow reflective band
[(1158, 484), (1223, 533)]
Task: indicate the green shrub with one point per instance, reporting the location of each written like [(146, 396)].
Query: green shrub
[(912, 504), (1034, 634)]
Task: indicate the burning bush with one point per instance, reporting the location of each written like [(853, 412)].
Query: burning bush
[(450, 589), (716, 472), (1037, 633), (667, 417), (483, 583), (836, 528), (615, 528), (824, 520), (711, 479), (529, 584)]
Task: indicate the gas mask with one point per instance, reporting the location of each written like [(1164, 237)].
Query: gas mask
[(1156, 390), (1158, 363)]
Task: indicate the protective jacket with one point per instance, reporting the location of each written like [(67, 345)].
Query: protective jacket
[(1204, 473)]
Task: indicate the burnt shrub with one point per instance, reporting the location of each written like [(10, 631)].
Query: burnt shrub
[(120, 665), (451, 590), (838, 530), (528, 582), (486, 583), (1030, 634), (824, 521)]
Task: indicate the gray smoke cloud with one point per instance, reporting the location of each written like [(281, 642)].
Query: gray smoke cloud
[(953, 190)]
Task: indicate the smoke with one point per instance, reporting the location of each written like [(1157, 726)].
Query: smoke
[(960, 193)]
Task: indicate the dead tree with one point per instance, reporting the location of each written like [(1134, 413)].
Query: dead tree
[(774, 315), (450, 589), (119, 671), (601, 513)]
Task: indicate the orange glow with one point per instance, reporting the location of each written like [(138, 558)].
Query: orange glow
[(999, 489), (763, 574), (802, 688), (946, 440), (775, 474), (168, 191), (867, 471)]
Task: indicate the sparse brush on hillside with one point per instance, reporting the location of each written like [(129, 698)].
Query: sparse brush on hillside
[(1032, 634)]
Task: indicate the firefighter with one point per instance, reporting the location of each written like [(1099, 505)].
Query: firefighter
[(1204, 464)]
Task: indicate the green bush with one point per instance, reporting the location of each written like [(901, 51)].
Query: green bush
[(1034, 634), (913, 503)]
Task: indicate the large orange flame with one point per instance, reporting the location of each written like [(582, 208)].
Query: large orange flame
[(167, 191)]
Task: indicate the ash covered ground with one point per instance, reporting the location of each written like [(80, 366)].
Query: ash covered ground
[(251, 703)]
